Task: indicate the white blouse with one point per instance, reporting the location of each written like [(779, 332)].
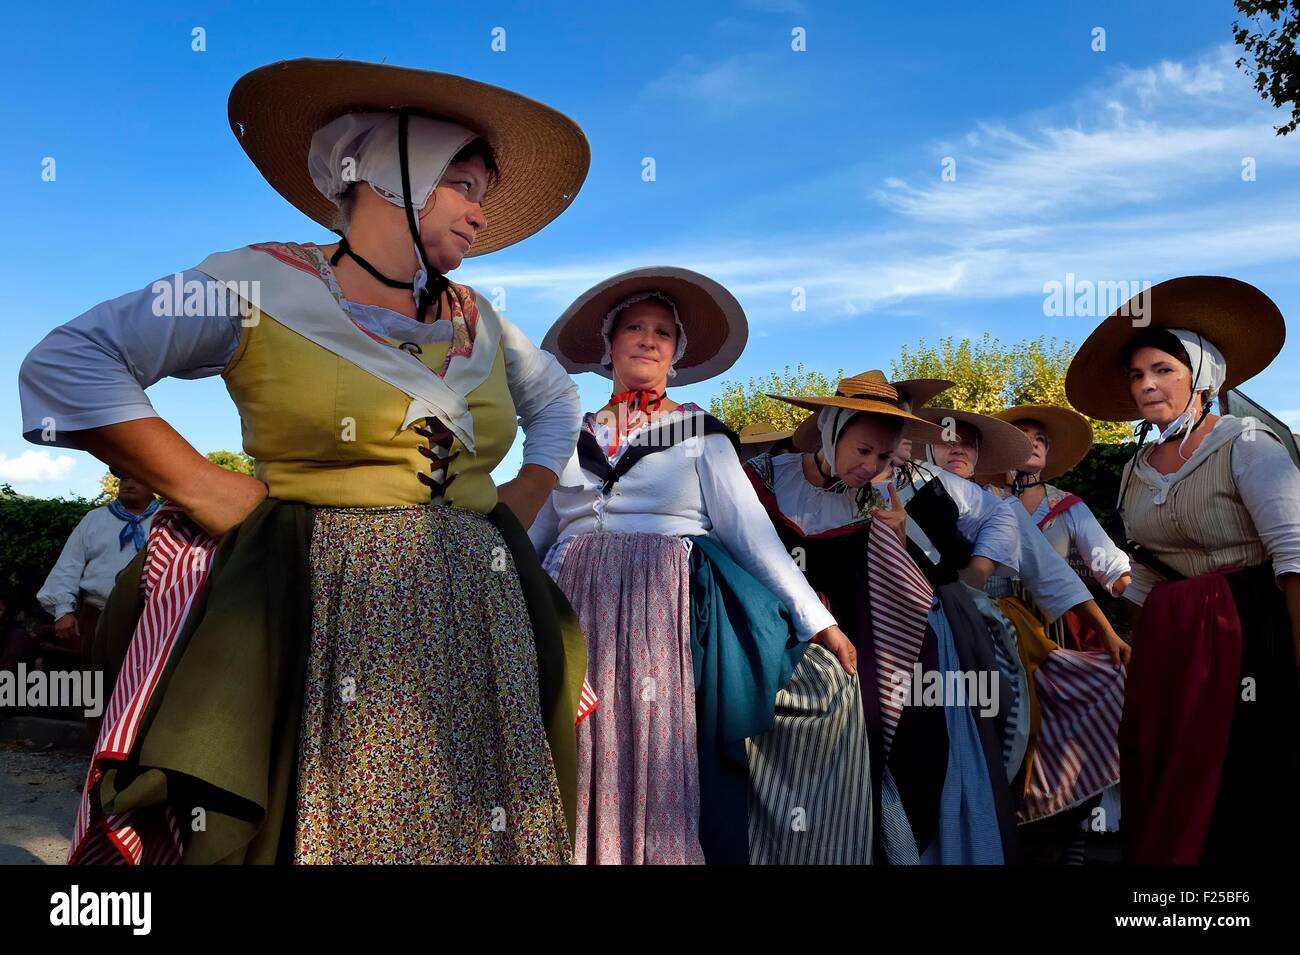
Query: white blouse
[(93, 370), (1078, 526), (814, 509), (695, 487)]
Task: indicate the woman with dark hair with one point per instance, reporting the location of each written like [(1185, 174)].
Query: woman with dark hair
[(1208, 742)]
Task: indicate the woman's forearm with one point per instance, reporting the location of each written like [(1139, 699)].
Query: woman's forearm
[(154, 452), (977, 572)]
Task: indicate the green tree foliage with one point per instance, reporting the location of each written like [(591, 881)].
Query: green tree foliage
[(34, 531), (741, 404), (989, 375), (1269, 39)]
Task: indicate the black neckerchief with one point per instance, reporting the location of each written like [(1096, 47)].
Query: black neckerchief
[(658, 437)]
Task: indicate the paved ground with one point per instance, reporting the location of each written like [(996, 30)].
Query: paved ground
[(39, 790)]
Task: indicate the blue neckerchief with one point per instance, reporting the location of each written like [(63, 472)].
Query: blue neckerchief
[(133, 531)]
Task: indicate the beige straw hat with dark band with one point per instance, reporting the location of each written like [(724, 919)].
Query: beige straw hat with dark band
[(1237, 318), (868, 392), (1069, 435), (1002, 447), (714, 322), (542, 155)]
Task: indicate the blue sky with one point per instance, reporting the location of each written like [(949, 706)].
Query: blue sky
[(775, 169)]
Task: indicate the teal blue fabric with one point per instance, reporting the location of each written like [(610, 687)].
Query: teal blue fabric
[(744, 649)]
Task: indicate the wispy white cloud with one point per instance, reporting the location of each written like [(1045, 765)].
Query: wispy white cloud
[(35, 466), (744, 79), (1137, 178)]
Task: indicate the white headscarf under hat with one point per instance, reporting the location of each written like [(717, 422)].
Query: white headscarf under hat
[(607, 326), (1208, 372), (368, 144), (831, 422)]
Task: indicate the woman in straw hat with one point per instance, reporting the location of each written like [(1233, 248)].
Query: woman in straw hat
[(695, 615), (763, 437), (1211, 510), (1063, 705), (352, 656), (947, 760), (851, 542), (1064, 751)]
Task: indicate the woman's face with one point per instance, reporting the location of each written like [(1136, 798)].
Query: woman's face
[(453, 215), (903, 453), (641, 346), (960, 456), (1160, 385), (865, 448), (1041, 443)]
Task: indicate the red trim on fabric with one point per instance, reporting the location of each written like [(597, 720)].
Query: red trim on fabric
[(273, 249), (1061, 506)]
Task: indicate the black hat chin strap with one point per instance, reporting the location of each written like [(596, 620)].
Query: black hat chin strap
[(1019, 485), (435, 283)]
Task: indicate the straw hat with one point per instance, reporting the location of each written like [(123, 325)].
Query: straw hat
[(1069, 434), (915, 392), (1003, 447), (762, 432), (1238, 319), (542, 155), (714, 322), (868, 392)]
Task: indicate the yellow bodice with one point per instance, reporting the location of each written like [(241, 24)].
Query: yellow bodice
[(325, 432)]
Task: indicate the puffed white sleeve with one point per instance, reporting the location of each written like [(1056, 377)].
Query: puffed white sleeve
[(983, 520), (546, 400), (1050, 580), (1107, 562), (93, 370), (742, 525), (1269, 484), (58, 595)]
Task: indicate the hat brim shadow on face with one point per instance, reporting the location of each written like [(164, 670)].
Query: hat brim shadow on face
[(1238, 319), (542, 155), (1002, 447), (1069, 438), (713, 320)]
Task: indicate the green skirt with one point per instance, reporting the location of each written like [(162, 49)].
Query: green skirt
[(455, 772)]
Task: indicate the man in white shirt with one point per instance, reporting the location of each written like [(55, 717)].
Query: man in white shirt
[(99, 547)]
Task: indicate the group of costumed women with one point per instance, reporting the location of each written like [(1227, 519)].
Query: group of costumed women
[(858, 642)]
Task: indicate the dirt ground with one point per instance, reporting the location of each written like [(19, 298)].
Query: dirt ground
[(39, 792)]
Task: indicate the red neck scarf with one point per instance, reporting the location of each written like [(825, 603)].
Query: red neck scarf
[(632, 409)]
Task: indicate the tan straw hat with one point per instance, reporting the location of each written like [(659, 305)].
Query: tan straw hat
[(1069, 435), (1238, 319), (1003, 447), (915, 392), (868, 392), (762, 432), (714, 322), (542, 155)]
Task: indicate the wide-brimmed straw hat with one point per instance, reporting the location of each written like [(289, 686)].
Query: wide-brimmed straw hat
[(1069, 437), (915, 392), (868, 392), (1002, 446), (1234, 316), (542, 156), (762, 432), (714, 322)]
